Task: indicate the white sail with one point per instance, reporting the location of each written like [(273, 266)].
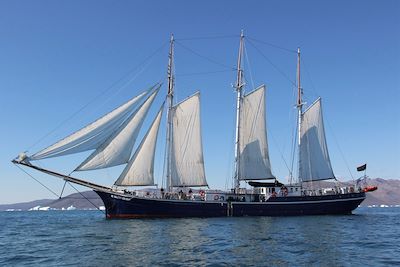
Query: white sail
[(254, 161), (118, 147), (140, 169), (314, 158), (187, 164), (92, 135)]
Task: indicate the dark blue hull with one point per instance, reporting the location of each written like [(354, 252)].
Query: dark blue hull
[(305, 205), (136, 207), (120, 206)]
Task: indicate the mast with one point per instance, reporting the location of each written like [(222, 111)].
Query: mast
[(170, 96), (300, 110), (238, 86)]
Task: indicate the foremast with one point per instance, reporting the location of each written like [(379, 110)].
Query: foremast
[(170, 97), (239, 85), (299, 106)]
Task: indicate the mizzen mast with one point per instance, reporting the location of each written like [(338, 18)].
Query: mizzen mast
[(299, 105), (170, 96), (239, 85)]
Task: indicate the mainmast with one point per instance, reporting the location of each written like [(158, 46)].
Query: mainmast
[(299, 109), (239, 85), (170, 97)]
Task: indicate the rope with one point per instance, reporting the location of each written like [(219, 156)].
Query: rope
[(272, 45), (53, 191), (272, 64), (293, 150), (248, 64), (330, 128), (86, 198), (204, 57), (295, 125), (202, 73), (37, 181), (101, 93), (230, 169), (62, 191), (280, 152), (340, 150), (313, 88), (208, 37)]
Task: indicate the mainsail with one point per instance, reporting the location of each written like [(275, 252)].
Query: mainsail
[(254, 163), (187, 163), (140, 169), (93, 135), (117, 149), (314, 163)]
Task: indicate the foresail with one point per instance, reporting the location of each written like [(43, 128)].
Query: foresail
[(254, 163), (118, 147), (92, 135), (187, 164), (314, 158), (140, 169)]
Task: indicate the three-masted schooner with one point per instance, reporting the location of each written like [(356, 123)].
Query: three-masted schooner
[(112, 138)]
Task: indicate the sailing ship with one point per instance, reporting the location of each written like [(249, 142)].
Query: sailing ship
[(112, 138)]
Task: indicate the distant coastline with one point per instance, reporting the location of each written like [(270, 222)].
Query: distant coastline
[(387, 195)]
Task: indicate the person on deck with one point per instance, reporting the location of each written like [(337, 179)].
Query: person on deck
[(162, 192)]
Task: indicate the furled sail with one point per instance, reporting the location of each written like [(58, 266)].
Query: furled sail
[(92, 135), (140, 169), (118, 147), (314, 163), (254, 161), (187, 164)]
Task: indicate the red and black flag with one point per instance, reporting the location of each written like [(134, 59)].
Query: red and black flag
[(362, 168)]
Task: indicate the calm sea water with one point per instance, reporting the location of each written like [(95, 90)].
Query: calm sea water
[(370, 237)]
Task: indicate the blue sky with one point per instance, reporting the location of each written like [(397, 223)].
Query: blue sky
[(58, 56)]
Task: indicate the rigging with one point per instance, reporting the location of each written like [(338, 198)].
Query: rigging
[(205, 57), (272, 64), (125, 76)]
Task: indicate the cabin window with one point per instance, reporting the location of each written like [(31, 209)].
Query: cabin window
[(297, 189), (262, 190), (291, 189)]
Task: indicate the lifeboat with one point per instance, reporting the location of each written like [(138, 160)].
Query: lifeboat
[(370, 188)]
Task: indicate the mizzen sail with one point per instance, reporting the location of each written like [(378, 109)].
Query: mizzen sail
[(140, 169), (314, 163), (187, 163), (117, 149), (254, 163)]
